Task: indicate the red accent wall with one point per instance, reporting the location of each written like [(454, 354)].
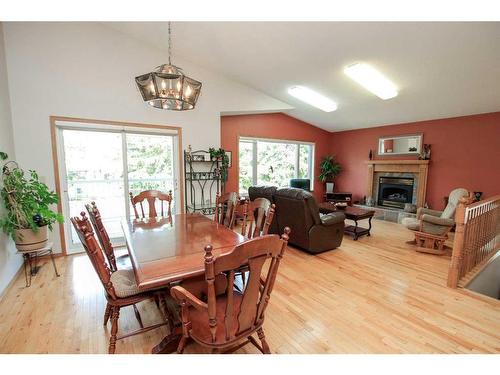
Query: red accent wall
[(276, 126), (465, 152)]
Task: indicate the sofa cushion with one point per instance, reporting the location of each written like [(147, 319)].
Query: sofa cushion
[(455, 195), (267, 192), (411, 223), (307, 197)]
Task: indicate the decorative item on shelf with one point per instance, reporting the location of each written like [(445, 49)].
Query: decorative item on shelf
[(167, 87), (198, 158), (229, 155), (27, 201), (478, 195), (370, 155), (189, 153), (329, 168), (221, 156), (426, 152)]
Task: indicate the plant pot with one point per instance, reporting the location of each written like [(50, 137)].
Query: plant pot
[(28, 239), (329, 187)]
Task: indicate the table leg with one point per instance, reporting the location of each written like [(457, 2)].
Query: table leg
[(369, 225), (169, 343), (355, 230)]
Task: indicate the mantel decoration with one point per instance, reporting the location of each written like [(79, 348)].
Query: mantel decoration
[(167, 87), (27, 201)]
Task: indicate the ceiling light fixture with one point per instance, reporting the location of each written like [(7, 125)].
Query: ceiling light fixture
[(372, 80), (313, 98), (167, 87)]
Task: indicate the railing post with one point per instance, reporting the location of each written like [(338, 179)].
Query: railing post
[(458, 244)]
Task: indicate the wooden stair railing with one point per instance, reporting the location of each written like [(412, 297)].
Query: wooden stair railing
[(477, 238)]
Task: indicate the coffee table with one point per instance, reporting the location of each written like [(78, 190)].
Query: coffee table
[(351, 213)]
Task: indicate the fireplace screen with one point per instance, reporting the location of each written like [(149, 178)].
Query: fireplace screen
[(395, 191)]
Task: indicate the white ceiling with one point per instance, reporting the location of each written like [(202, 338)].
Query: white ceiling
[(441, 69)]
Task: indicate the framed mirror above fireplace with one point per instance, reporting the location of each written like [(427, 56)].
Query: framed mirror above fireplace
[(400, 145)]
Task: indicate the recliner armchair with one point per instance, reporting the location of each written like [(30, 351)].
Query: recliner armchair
[(297, 209), (431, 226)]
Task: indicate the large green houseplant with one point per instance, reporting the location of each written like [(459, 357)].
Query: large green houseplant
[(329, 168), (27, 202)]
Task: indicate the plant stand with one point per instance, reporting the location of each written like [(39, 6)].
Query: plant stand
[(31, 260)]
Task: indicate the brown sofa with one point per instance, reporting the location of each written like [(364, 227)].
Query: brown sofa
[(297, 209)]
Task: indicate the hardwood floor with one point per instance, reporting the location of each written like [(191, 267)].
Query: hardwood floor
[(374, 295)]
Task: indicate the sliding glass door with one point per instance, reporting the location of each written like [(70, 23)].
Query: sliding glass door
[(104, 166)]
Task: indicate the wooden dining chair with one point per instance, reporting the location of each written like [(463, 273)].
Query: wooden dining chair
[(226, 322), (225, 209), (120, 287), (259, 213), (102, 234), (105, 242), (151, 196)]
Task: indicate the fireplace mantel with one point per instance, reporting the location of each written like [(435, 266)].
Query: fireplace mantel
[(418, 167)]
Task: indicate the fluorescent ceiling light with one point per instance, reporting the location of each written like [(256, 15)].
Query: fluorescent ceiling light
[(313, 98), (372, 80)]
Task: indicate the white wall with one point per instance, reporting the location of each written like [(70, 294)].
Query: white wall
[(87, 70), (9, 260)]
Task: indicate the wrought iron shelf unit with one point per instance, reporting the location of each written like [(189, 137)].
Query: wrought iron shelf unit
[(203, 181)]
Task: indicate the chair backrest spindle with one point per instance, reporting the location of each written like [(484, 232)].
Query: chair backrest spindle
[(225, 210), (151, 196), (261, 213), (102, 234)]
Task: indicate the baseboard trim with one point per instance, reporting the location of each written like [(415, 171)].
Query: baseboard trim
[(11, 282), (19, 271)]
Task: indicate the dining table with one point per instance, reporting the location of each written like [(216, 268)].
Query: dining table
[(166, 250)]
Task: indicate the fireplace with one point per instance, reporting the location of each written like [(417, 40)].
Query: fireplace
[(395, 191)]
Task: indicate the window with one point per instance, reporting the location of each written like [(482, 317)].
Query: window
[(273, 162)]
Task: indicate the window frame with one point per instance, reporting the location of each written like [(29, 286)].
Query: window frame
[(255, 140)]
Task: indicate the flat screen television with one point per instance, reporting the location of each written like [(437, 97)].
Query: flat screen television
[(301, 183)]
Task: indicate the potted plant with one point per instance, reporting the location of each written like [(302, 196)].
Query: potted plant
[(27, 200), (221, 156), (329, 168)]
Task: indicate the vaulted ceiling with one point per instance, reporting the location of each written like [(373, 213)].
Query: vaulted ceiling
[(441, 69)]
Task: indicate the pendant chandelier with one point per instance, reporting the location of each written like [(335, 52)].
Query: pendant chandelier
[(167, 87)]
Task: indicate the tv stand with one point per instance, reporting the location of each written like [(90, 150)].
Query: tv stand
[(341, 197)]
